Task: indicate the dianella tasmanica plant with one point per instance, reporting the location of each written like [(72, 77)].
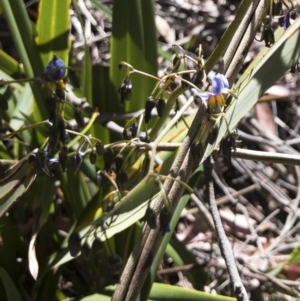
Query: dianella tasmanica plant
[(100, 153)]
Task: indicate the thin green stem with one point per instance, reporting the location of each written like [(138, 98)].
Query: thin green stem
[(87, 127), (170, 103), (166, 130), (25, 128)]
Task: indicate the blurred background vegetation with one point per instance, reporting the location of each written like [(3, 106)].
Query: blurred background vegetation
[(75, 150)]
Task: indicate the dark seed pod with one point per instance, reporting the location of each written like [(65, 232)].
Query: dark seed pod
[(115, 264), (150, 104), (109, 158), (269, 37), (122, 180), (198, 77), (76, 161), (93, 158), (3, 102), (97, 247), (97, 250), (125, 90), (281, 21), (160, 107), (150, 218), (165, 219), (119, 162), (79, 118), (54, 136), (74, 244), (101, 178), (64, 137), (63, 157), (225, 148), (99, 148), (56, 133), (74, 78), (187, 77), (60, 93), (86, 251), (51, 107)]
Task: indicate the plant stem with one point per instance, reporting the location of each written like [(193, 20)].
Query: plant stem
[(225, 247)]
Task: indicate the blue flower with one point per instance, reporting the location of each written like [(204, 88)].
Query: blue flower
[(215, 98), (55, 70), (288, 19)]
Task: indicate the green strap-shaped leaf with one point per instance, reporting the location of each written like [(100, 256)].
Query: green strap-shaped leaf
[(53, 26), (9, 65), (160, 292), (16, 182), (134, 41), (10, 288)]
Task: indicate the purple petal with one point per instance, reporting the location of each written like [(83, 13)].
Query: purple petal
[(287, 21), (204, 95), (219, 84)]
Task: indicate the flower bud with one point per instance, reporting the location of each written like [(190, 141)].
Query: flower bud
[(79, 118), (119, 162), (269, 37), (54, 135), (150, 218), (93, 158), (125, 90), (160, 107), (122, 180), (51, 107), (198, 78), (109, 158), (97, 250), (86, 251), (76, 161), (99, 148), (60, 93), (115, 264), (165, 217), (187, 77), (63, 157)]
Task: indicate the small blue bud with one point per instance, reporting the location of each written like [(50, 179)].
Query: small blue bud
[(55, 70)]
